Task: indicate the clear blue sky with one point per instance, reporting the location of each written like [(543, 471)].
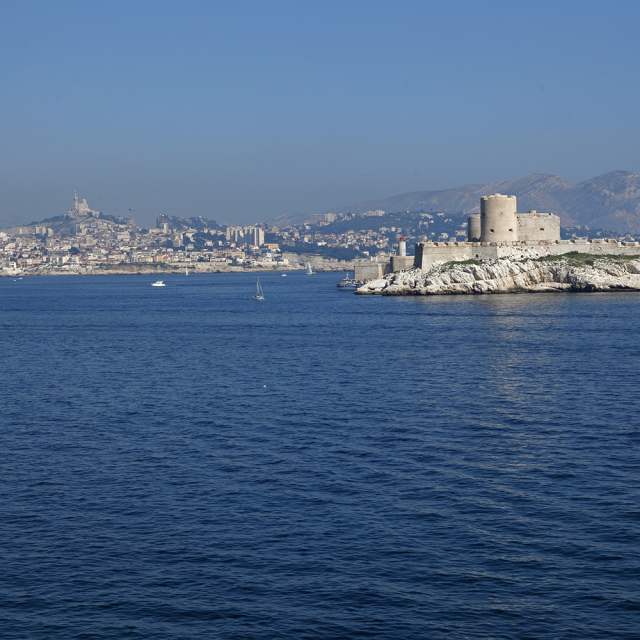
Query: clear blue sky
[(240, 111)]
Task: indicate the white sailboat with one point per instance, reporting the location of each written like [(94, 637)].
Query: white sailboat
[(259, 293), (309, 272), (186, 271)]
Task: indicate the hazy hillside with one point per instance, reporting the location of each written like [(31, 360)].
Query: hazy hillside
[(6, 220), (300, 217), (610, 201), (178, 223)]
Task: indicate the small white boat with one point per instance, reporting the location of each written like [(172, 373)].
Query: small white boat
[(259, 293), (159, 284), (309, 272), (349, 284), (284, 275), (186, 271)]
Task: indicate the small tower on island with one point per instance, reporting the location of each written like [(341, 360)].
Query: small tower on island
[(474, 228), (402, 247)]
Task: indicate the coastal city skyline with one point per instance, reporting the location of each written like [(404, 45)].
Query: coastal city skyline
[(84, 240), (371, 243)]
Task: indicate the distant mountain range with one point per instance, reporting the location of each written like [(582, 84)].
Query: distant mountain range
[(610, 201)]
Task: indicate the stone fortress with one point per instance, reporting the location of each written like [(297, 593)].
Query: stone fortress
[(498, 221), (498, 231)]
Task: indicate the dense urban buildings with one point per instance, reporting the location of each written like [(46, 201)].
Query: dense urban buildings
[(82, 239)]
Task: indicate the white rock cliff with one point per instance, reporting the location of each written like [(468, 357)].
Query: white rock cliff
[(511, 276)]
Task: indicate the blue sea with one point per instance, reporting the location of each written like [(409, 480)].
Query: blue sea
[(188, 463)]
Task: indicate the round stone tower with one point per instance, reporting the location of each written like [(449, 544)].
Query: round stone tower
[(402, 247), (498, 218), (473, 228)]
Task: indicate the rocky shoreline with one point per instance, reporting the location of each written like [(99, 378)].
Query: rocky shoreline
[(581, 272)]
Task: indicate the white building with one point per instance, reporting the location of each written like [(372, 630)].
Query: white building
[(80, 209)]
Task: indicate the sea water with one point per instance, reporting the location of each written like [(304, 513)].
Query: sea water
[(186, 462)]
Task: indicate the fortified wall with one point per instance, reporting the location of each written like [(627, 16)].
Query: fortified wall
[(429, 253)]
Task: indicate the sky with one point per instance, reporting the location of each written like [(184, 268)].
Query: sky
[(241, 111)]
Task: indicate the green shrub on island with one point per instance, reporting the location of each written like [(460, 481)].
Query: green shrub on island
[(578, 259)]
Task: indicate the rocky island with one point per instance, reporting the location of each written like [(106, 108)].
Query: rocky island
[(508, 252), (572, 272)]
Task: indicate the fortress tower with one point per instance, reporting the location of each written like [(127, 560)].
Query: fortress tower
[(474, 230), (498, 218)]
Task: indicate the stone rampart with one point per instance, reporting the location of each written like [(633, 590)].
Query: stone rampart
[(367, 271), (535, 226), (398, 263), (430, 253)]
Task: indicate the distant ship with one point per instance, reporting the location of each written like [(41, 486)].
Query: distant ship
[(309, 272), (159, 284)]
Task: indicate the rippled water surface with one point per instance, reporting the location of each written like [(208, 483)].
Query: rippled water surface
[(185, 462)]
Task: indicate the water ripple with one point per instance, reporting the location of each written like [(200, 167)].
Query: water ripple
[(461, 467)]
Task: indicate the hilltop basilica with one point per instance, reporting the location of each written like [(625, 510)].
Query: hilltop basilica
[(80, 209)]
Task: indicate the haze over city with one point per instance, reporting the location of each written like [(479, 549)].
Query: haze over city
[(244, 111)]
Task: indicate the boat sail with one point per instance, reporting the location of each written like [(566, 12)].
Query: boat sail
[(186, 271), (259, 293), (309, 272)]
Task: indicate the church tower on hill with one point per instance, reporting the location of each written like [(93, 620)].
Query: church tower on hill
[(80, 209)]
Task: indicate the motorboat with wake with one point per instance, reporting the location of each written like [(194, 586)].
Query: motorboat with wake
[(159, 283)]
